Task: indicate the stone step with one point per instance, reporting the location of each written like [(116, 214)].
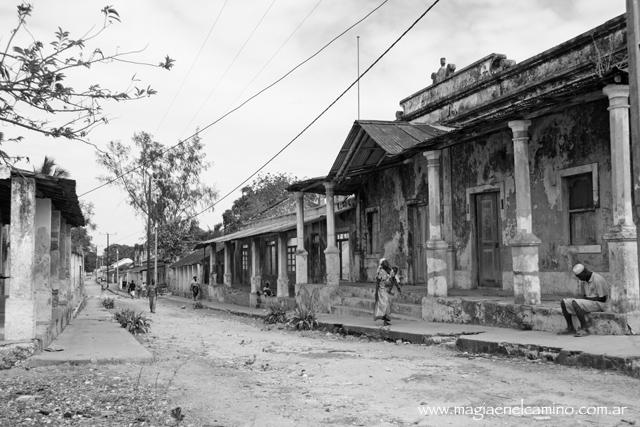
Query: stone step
[(343, 310), (369, 292), (410, 310), (508, 315)]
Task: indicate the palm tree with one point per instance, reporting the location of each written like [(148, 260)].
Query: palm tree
[(49, 167)]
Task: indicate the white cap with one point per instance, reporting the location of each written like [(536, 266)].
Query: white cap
[(578, 268)]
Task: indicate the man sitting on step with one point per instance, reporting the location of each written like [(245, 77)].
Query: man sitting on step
[(595, 294)]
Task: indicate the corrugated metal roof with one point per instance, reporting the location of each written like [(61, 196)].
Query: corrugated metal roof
[(372, 143), (61, 191), (273, 225), (194, 257)]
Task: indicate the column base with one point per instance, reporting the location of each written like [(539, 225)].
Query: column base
[(302, 275), (256, 284), (623, 267), (437, 268), (227, 279), (20, 319), (332, 260), (526, 280), (283, 287)]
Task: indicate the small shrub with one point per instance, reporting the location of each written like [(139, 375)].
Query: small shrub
[(136, 323), (108, 303), (303, 319), (277, 314)]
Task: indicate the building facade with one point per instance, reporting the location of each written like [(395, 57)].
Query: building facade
[(41, 275)]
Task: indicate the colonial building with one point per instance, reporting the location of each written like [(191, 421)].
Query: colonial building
[(42, 278), (492, 181)]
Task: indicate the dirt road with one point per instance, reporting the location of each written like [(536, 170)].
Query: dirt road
[(228, 370)]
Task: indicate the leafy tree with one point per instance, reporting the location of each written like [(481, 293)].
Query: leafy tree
[(35, 92), (266, 196), (118, 252), (81, 239), (178, 193), (51, 168)]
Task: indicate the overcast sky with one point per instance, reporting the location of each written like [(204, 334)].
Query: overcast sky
[(460, 30)]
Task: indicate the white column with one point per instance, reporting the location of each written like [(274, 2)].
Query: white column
[(71, 296), (63, 283), (524, 246), (256, 273), (283, 278), (55, 257), (212, 265), (228, 276), (42, 269), (331, 253), (20, 306), (621, 237), (301, 253), (437, 266)]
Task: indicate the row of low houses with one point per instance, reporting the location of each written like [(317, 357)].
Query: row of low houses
[(492, 181), (41, 277)]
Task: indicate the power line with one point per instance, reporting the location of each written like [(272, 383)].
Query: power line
[(317, 117), (284, 43), (195, 60), (246, 101), (231, 64)]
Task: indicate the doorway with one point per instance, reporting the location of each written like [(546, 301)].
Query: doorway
[(342, 240), (487, 227), (417, 237)]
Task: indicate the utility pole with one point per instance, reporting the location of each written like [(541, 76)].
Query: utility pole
[(117, 260), (149, 234), (633, 50), (358, 66), (155, 258), (107, 260)]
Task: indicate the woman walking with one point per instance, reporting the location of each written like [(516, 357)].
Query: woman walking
[(385, 281)]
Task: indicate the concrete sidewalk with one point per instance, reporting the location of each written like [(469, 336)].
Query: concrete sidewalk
[(611, 352), (93, 337)]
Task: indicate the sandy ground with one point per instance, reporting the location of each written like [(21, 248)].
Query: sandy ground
[(228, 370)]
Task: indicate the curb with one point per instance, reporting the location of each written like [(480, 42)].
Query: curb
[(627, 365)]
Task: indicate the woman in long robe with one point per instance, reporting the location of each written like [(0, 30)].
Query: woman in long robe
[(382, 307)]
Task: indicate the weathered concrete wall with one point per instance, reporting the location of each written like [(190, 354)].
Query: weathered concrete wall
[(482, 165), (42, 268), (20, 306), (575, 137), (494, 79), (391, 191)]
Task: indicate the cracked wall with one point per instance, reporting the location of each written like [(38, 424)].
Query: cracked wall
[(577, 136)]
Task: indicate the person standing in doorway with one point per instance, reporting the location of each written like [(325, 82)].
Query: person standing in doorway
[(195, 288)]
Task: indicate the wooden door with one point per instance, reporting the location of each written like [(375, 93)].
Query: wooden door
[(488, 240), (417, 238), (245, 265), (342, 240)]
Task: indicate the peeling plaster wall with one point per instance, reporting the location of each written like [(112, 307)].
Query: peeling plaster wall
[(575, 137), (486, 162), (391, 191), (579, 136)]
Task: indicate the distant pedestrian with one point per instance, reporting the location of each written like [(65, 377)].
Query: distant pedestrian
[(195, 288), (152, 293), (385, 282), (132, 289)]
